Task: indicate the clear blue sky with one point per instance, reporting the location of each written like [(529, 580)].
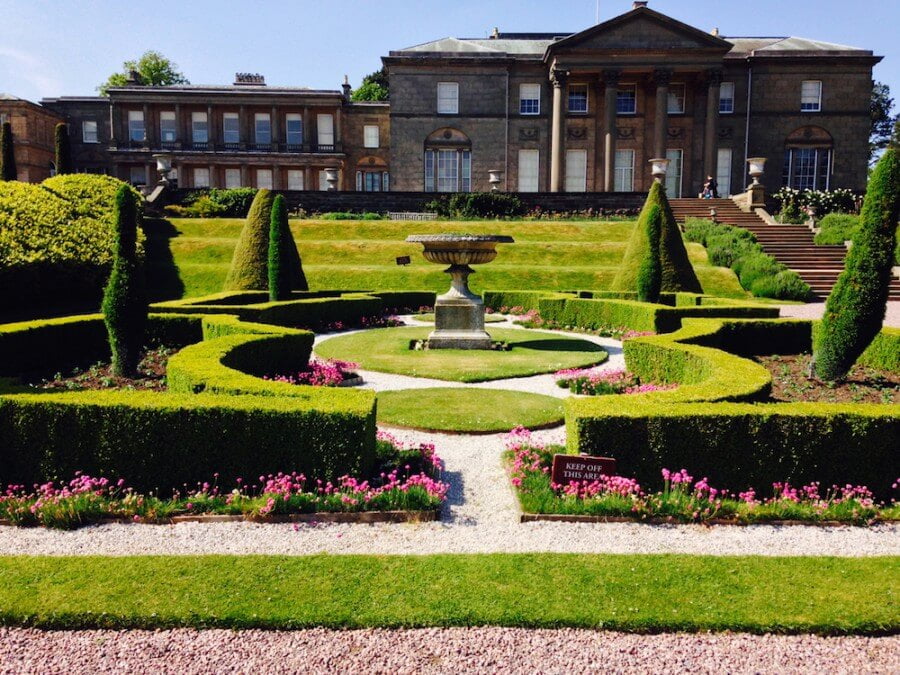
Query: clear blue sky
[(67, 47)]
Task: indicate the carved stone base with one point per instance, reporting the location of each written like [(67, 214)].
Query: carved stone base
[(459, 323)]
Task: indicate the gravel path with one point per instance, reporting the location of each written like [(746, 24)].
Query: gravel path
[(480, 516), (455, 650), (814, 310)]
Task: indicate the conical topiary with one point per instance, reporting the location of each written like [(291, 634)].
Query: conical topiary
[(7, 154), (677, 273), (125, 299), (649, 280), (854, 312), (250, 262), (63, 150), (279, 233)]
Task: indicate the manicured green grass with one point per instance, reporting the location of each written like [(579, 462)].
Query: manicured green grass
[(387, 350), (429, 318), (468, 409), (648, 593), (555, 255)]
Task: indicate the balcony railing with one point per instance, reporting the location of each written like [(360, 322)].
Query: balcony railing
[(188, 146)]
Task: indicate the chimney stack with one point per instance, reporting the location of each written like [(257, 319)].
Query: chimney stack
[(346, 88), (637, 4), (715, 31), (495, 34)]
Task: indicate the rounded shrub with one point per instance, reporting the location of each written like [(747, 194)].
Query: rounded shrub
[(854, 311)]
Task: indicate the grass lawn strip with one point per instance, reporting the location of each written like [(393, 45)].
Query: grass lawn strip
[(467, 410), (387, 350), (633, 593)]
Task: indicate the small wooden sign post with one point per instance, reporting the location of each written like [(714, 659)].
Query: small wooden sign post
[(569, 468), (403, 260)]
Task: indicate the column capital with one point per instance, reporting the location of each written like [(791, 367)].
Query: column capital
[(611, 76), (559, 77), (662, 77), (714, 77)]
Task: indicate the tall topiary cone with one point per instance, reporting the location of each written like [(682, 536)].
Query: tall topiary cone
[(677, 273), (249, 264), (125, 299), (649, 279), (279, 240), (854, 312), (7, 154), (63, 149)]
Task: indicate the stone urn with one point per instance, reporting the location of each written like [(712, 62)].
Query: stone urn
[(459, 313)]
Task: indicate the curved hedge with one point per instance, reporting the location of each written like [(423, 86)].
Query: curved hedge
[(710, 426), (241, 426)]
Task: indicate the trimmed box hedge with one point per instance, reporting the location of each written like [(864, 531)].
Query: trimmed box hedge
[(241, 426), (710, 426)]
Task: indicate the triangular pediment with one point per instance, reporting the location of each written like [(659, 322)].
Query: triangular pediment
[(640, 29)]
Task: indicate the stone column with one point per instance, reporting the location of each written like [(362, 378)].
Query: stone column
[(275, 138), (307, 138), (179, 135), (148, 128), (661, 77), (210, 130), (711, 132), (115, 135), (276, 179), (212, 175), (558, 129), (245, 175), (242, 132), (610, 133)]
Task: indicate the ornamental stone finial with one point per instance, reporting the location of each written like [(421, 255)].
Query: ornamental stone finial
[(558, 77)]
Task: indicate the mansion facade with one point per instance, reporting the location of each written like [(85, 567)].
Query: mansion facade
[(552, 112)]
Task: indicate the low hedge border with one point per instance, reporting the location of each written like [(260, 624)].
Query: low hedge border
[(241, 426), (708, 427)]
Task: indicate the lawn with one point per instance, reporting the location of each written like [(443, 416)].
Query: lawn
[(614, 592), (468, 410), (361, 255), (387, 350)]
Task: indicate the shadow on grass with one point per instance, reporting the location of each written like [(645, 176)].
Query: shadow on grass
[(551, 345), (163, 279)]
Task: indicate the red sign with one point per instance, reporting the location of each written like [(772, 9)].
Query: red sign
[(569, 468)]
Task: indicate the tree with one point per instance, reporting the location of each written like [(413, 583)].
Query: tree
[(153, 68), (63, 150), (883, 122), (374, 87), (125, 298), (649, 280), (854, 312), (7, 154), (279, 236)]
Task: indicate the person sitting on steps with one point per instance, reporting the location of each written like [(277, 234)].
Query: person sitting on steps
[(710, 189)]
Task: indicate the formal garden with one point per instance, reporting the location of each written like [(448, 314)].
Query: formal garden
[(275, 404)]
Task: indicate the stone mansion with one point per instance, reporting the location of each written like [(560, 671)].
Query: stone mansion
[(553, 112)]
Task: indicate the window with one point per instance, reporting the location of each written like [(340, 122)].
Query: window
[(325, 128), (723, 172), (673, 174), (262, 130), (295, 179), (448, 170), (264, 179), (294, 131), (136, 126), (232, 178), (201, 177), (811, 96), (529, 99), (4, 118), (231, 128), (372, 181), (448, 98), (167, 130), (626, 99), (137, 175), (529, 170), (726, 98), (370, 136), (89, 131), (675, 105), (576, 170), (323, 181), (624, 171), (807, 168), (578, 98), (199, 128)]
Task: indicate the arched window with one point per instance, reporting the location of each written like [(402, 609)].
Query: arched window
[(372, 175), (448, 161), (808, 159)]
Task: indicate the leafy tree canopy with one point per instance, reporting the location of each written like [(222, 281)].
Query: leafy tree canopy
[(883, 122), (154, 70), (374, 87)]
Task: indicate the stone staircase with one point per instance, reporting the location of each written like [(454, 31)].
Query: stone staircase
[(793, 245)]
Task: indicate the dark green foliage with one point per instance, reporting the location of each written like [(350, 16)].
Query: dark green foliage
[(349, 215), (152, 68), (215, 202), (758, 272), (477, 205), (375, 87), (649, 280), (677, 273), (836, 228), (125, 299), (279, 240), (854, 312), (7, 154), (63, 149)]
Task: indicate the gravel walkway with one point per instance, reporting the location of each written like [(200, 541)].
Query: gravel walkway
[(481, 516), (455, 650), (815, 310)]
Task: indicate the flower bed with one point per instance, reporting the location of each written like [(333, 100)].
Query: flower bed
[(532, 319), (682, 499), (151, 375), (408, 481), (590, 382), (322, 373)]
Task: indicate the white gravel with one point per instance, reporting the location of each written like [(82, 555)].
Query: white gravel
[(481, 516), (454, 650)]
